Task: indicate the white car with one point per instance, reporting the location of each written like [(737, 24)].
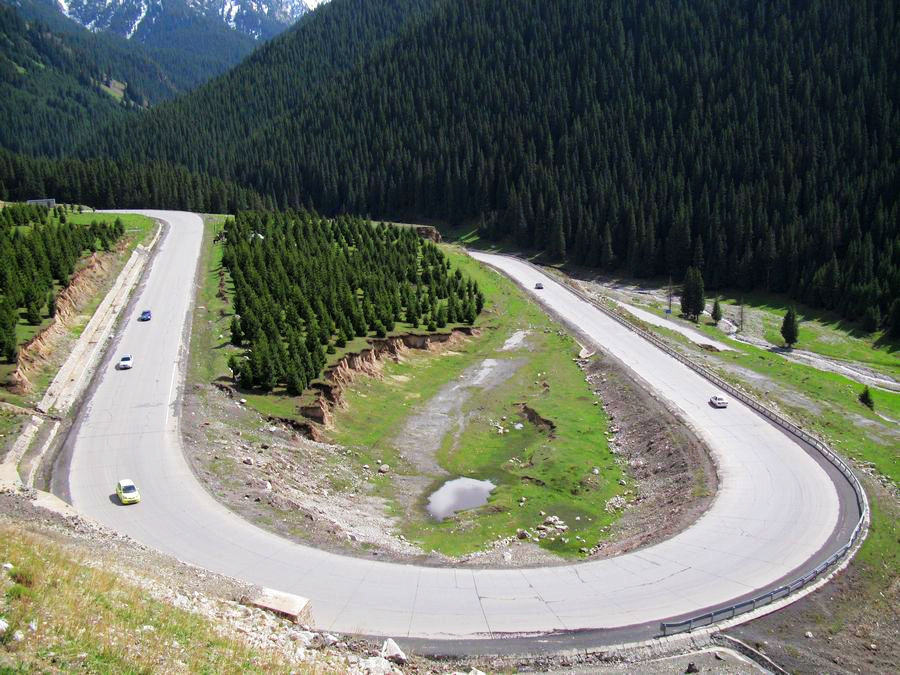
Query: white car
[(717, 401), (125, 363), (539, 286)]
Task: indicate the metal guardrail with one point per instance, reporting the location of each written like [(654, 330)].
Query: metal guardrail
[(729, 612)]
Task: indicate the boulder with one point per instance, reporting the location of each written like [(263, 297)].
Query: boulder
[(392, 652), (377, 665)]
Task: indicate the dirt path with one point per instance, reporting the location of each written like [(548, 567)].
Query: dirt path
[(424, 432), (624, 294)]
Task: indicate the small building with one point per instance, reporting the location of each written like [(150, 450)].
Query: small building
[(49, 202)]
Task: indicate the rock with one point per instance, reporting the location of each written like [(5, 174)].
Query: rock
[(377, 665), (328, 639), (522, 534), (595, 471), (243, 400), (4, 624), (18, 636), (366, 467), (519, 426), (384, 468), (32, 626), (475, 671), (692, 668), (304, 637), (248, 461), (146, 628), (808, 635), (7, 566), (719, 656), (872, 648), (391, 651)]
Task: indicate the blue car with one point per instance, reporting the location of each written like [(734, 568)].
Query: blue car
[(145, 315)]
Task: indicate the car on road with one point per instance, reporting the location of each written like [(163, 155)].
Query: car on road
[(146, 315), (127, 491), (539, 286), (125, 363), (718, 401)]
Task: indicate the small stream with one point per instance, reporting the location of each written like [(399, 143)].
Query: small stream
[(458, 494)]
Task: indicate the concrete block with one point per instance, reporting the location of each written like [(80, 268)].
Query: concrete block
[(294, 607)]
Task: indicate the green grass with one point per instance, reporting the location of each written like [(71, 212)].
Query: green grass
[(825, 333), (87, 619), (553, 474), (821, 332)]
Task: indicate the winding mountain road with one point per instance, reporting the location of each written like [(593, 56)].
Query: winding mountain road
[(779, 507)]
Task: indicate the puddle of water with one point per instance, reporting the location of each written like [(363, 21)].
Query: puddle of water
[(458, 494)]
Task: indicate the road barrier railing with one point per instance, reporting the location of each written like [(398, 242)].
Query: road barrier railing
[(731, 611)]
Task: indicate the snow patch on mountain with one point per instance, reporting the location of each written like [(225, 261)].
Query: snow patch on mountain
[(137, 23)]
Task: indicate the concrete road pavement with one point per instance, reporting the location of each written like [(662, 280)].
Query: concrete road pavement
[(775, 510)]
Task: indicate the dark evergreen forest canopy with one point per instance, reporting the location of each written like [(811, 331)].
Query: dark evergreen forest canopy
[(304, 284), (755, 141), (107, 184)]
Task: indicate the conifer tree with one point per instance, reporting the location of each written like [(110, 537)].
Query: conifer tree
[(790, 328), (716, 312)]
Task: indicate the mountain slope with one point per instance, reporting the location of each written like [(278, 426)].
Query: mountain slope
[(205, 129), (50, 93), (258, 19), (759, 143)]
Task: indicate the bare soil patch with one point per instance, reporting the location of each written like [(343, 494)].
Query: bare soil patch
[(673, 479)]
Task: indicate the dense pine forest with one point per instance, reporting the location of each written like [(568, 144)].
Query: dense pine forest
[(108, 185), (38, 252), (756, 142), (304, 286)]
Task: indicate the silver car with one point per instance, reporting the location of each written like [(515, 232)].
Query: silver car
[(125, 363), (718, 401)]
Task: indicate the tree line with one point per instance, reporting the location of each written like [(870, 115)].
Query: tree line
[(305, 286), (39, 250), (105, 184)]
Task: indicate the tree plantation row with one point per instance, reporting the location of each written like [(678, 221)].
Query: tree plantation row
[(38, 251), (304, 286)]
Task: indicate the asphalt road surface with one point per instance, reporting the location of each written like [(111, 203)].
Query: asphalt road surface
[(777, 507)]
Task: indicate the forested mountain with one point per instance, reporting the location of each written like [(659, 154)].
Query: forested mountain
[(758, 141), (207, 129), (189, 47), (143, 19), (50, 93)]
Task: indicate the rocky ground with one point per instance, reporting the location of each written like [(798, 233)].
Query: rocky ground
[(309, 491)]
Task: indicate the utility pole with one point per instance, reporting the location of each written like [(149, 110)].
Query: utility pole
[(669, 311)]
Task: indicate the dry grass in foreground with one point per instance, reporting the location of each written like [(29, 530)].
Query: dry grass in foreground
[(63, 615)]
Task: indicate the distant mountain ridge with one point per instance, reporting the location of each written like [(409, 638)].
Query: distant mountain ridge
[(139, 19)]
